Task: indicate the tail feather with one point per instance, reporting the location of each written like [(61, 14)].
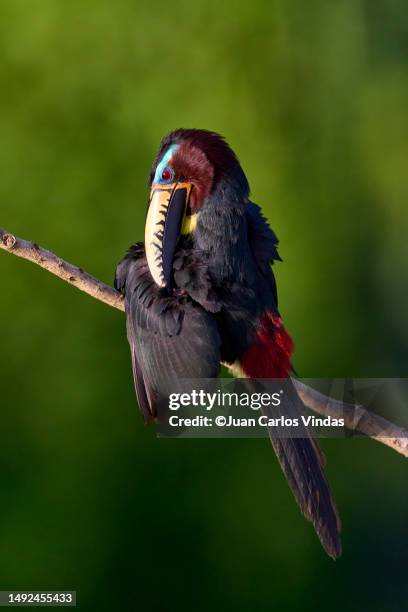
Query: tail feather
[(303, 470), (302, 462)]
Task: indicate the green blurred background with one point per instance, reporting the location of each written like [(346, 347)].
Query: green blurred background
[(313, 97)]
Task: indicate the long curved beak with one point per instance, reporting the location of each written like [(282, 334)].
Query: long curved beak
[(165, 216)]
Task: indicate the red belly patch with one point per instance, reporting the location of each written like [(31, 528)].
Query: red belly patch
[(269, 355)]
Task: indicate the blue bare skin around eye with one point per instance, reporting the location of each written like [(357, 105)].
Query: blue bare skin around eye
[(164, 162)]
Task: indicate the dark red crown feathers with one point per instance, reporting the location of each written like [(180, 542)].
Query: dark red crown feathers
[(219, 154)]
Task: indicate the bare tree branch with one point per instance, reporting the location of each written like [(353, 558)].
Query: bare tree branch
[(356, 417), (69, 273)]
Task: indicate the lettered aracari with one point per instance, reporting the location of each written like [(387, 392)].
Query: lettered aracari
[(200, 292)]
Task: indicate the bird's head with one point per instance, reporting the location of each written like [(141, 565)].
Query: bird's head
[(189, 167)]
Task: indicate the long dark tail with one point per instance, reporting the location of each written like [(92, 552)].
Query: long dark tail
[(269, 357), (302, 462)]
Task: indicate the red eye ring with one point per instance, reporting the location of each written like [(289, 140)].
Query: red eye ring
[(167, 174)]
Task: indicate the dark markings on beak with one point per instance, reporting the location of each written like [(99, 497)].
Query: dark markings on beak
[(171, 232)]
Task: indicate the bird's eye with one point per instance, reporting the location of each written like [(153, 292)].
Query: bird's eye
[(167, 174)]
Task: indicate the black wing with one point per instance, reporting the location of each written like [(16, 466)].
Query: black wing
[(263, 244), (170, 338)]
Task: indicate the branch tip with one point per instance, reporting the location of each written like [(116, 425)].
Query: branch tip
[(9, 240)]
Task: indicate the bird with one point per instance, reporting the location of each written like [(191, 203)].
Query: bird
[(201, 292)]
